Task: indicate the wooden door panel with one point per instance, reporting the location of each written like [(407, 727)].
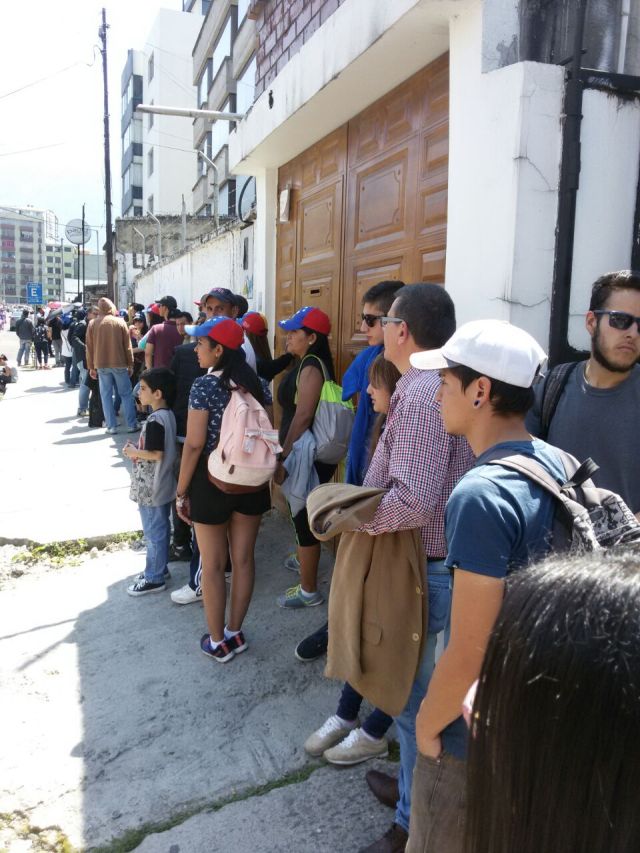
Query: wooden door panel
[(429, 263), (320, 287), (319, 218)]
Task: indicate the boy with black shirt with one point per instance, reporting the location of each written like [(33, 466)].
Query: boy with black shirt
[(153, 480)]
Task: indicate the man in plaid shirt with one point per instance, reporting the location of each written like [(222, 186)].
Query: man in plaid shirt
[(418, 464)]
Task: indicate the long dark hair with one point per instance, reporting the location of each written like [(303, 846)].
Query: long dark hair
[(236, 371), (320, 348), (554, 756), (260, 346)]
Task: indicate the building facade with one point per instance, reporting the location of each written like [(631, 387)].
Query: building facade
[(25, 236), (58, 269), (224, 75), (131, 134), (424, 140)]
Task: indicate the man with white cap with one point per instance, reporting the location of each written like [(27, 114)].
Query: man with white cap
[(497, 521)]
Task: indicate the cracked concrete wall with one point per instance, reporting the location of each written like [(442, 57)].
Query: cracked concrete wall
[(606, 198), (504, 166)]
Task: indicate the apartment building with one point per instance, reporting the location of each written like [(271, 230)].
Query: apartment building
[(58, 267), (23, 235), (224, 74), (157, 150)]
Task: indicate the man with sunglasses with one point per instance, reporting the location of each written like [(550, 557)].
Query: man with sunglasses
[(597, 410)]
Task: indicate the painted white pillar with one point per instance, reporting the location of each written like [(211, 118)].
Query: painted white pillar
[(264, 246)]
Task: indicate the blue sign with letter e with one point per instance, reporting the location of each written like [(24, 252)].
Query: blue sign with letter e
[(34, 293)]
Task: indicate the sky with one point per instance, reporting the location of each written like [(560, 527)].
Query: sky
[(62, 115)]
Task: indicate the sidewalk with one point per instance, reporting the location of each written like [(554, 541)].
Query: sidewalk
[(119, 722)]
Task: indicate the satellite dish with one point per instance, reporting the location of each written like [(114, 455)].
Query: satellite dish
[(75, 233)]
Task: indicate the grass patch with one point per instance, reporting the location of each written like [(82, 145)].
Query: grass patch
[(57, 553), (50, 839), (394, 751), (133, 837)]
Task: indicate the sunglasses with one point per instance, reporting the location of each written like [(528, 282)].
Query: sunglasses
[(371, 319), (620, 319), (384, 321)]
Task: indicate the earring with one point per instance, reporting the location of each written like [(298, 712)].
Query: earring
[(476, 403)]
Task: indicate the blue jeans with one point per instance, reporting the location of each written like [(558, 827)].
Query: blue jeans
[(157, 531), (376, 724), (116, 378), (83, 392), (439, 586), (24, 350)]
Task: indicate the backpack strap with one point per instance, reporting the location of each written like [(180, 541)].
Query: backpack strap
[(577, 474), (325, 374), (554, 385)]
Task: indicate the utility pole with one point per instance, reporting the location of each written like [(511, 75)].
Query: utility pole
[(102, 33)]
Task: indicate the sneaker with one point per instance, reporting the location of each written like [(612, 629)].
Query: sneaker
[(313, 646), (112, 430), (186, 595), (180, 553), (331, 732), (237, 643), (166, 575), (135, 428), (293, 598), (222, 654), (292, 563), (83, 413), (143, 587), (356, 747)]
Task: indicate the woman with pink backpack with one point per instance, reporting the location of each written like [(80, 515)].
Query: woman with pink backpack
[(225, 516)]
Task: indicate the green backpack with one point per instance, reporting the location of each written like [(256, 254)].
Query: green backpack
[(333, 420)]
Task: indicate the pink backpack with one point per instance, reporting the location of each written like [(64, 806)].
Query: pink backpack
[(246, 455)]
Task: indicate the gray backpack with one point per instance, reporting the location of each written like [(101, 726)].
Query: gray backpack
[(587, 518)]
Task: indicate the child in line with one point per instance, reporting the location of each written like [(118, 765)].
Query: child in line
[(153, 481), (8, 373)]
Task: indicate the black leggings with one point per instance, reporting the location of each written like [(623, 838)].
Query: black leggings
[(42, 351), (304, 536)]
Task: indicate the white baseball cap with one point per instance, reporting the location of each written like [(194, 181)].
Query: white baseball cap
[(494, 348)]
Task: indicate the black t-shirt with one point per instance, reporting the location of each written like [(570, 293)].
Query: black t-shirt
[(154, 436), (287, 394), (40, 334), (56, 329)]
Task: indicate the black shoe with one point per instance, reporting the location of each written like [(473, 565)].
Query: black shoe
[(313, 646), (393, 841), (180, 553)]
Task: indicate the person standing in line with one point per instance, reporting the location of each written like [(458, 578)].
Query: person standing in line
[(66, 352), (183, 319), (164, 337), (497, 522), (110, 361), (596, 412), (153, 481), (78, 338), (24, 330), (418, 465), (55, 324), (222, 302), (221, 520), (41, 336)]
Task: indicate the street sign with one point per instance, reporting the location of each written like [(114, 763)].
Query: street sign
[(75, 233), (34, 293)]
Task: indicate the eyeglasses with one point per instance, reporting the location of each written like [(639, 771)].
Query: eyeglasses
[(620, 319), (384, 321), (371, 319)]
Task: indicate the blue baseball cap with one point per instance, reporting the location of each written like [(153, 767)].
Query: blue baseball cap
[(223, 330), (309, 317)]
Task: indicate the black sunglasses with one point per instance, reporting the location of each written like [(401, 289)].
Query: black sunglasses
[(620, 319), (370, 319)]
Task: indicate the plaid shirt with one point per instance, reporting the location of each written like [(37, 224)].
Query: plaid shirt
[(417, 462)]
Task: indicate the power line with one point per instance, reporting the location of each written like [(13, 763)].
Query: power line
[(39, 148), (43, 79)]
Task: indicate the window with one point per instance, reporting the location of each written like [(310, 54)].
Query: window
[(150, 162), (246, 87), (222, 48), (204, 84), (150, 66), (137, 211), (150, 125), (206, 5), (150, 204), (243, 8), (220, 132)]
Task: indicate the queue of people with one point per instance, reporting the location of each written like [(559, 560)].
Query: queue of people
[(439, 475)]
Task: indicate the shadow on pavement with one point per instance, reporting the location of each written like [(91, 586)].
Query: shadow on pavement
[(82, 439)]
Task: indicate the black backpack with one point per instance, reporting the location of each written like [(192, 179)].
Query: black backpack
[(554, 384)]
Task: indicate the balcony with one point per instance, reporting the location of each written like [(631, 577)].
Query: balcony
[(213, 24), (244, 46), (201, 190), (223, 85), (134, 150)]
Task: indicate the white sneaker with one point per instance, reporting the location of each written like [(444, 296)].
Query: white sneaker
[(186, 595), (331, 732), (356, 747)]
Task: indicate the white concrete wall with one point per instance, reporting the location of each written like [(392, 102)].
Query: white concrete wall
[(504, 162), (218, 262), (171, 41), (606, 199)]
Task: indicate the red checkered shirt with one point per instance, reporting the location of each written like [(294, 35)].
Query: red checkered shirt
[(417, 462)]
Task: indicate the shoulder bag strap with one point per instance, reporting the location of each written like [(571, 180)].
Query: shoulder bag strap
[(554, 385)]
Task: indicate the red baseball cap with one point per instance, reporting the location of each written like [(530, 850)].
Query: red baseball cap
[(153, 309), (309, 318), (223, 330), (255, 323)]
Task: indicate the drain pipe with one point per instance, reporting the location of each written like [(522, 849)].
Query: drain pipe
[(559, 348), (625, 13)]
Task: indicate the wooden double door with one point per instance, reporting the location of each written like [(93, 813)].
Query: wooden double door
[(367, 203)]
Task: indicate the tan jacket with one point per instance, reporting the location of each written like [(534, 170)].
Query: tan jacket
[(107, 341), (377, 606)]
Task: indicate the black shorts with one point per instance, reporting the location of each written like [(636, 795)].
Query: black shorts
[(209, 505), (304, 536)]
